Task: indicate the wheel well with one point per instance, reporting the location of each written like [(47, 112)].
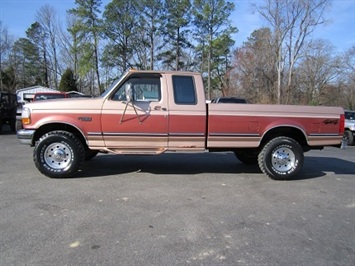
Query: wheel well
[(291, 132), (59, 126)]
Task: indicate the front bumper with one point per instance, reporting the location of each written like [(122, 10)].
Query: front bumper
[(25, 136)]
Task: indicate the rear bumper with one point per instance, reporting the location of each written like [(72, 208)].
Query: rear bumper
[(25, 136)]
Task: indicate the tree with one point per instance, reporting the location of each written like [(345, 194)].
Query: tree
[(8, 79), (149, 23), (89, 27), (175, 30), (292, 22), (347, 79), (213, 32), (68, 82), (48, 29), (38, 37), (120, 27), (254, 71), (5, 48), (315, 74), (27, 63)]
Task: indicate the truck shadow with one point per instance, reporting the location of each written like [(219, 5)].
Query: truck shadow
[(196, 163), (315, 166)]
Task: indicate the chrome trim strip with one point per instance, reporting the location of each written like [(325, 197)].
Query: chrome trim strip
[(128, 134), (186, 134), (323, 134), (233, 135), (94, 133)]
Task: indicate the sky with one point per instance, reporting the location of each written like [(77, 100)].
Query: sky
[(18, 15)]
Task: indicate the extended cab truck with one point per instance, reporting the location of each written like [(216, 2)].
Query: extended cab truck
[(150, 112)]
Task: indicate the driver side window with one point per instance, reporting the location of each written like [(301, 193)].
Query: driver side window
[(145, 89)]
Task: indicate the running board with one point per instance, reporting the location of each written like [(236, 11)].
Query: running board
[(137, 151)]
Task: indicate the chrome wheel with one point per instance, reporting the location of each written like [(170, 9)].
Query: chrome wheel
[(58, 155), (283, 159)]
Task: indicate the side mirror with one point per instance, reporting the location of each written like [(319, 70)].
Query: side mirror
[(129, 92)]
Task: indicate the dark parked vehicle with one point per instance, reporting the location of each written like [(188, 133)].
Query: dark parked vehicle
[(40, 96), (8, 107), (228, 100)]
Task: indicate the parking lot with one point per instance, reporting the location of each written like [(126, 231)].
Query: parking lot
[(176, 209)]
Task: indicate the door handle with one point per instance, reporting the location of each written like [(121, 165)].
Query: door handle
[(159, 108)]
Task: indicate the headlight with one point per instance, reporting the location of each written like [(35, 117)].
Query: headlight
[(26, 116)]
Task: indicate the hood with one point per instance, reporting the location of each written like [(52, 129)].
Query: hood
[(67, 104)]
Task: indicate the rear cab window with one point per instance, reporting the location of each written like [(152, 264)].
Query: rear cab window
[(184, 90)]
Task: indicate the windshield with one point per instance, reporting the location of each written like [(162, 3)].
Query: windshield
[(350, 115), (113, 85)]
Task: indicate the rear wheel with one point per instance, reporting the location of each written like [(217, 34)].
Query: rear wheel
[(281, 158), (58, 154)]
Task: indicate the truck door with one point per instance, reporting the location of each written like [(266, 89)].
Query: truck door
[(187, 112), (135, 117)]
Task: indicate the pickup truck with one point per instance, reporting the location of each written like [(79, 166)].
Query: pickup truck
[(151, 112)]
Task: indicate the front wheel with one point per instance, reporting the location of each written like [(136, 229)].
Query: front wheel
[(58, 154), (281, 158)]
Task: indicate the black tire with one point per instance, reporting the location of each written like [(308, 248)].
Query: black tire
[(281, 158), (58, 154), (12, 124), (247, 156), (349, 137)]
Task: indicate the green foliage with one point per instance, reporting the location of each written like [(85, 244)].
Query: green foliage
[(175, 29), (68, 82), (120, 27), (37, 36), (8, 79), (86, 31), (27, 63), (213, 32)]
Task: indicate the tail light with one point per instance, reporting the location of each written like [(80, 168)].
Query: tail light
[(342, 124)]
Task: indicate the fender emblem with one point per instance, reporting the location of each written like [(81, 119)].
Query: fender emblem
[(330, 121), (85, 118)]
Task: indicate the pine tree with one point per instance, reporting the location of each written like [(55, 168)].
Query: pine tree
[(213, 31), (89, 27), (68, 82)]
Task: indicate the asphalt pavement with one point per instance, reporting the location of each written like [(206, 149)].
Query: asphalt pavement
[(176, 209)]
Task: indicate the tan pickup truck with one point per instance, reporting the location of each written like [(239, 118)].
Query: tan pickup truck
[(150, 112)]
